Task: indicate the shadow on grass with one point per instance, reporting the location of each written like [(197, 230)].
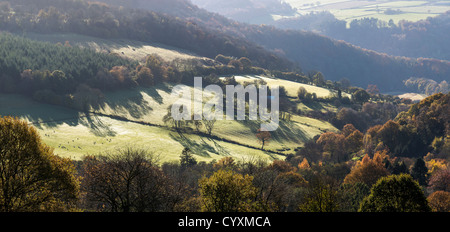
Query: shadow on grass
[(286, 132), (41, 115), (36, 113), (132, 101), (314, 105), (289, 131), (200, 147), (97, 126)]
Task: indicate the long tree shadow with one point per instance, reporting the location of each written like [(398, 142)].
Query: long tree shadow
[(41, 115), (286, 132), (314, 105), (38, 114), (220, 149), (125, 102), (132, 101), (97, 126), (289, 131), (201, 148)]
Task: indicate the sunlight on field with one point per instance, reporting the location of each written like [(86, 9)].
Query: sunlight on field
[(150, 105), (140, 124), (77, 141), (291, 87), (73, 134)]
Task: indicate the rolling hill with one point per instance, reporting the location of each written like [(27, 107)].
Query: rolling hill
[(135, 118), (312, 52)]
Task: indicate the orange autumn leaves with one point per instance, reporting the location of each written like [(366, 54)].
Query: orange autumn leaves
[(368, 170)]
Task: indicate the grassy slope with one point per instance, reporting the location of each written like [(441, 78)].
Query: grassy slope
[(150, 105), (74, 134), (290, 86)]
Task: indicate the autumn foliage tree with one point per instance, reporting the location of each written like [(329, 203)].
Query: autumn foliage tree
[(304, 164), (333, 146), (156, 64), (32, 178), (121, 74), (227, 191), (372, 89), (440, 181), (422, 124), (226, 163), (144, 76), (439, 201), (354, 142), (263, 137), (367, 171), (338, 147)]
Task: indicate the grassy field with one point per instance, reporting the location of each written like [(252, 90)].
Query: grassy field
[(151, 104), (290, 86), (75, 141), (348, 10), (73, 134)]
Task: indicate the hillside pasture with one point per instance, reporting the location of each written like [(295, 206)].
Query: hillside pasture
[(290, 86), (74, 135), (149, 105), (134, 118)]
